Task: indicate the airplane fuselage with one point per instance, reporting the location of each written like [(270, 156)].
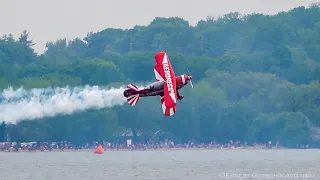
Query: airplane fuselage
[(157, 88)]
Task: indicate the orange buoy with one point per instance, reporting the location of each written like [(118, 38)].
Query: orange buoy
[(99, 150)]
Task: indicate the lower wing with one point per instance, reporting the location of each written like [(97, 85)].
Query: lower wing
[(167, 111)]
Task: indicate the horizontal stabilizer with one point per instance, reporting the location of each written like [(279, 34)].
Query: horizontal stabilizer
[(133, 100), (133, 96), (133, 87)]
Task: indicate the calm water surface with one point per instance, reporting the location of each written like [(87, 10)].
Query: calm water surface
[(161, 164)]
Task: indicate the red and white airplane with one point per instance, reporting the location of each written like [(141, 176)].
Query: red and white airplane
[(166, 86)]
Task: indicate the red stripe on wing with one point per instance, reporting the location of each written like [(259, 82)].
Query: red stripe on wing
[(167, 111)]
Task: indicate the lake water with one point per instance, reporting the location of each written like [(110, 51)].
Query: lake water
[(161, 164)]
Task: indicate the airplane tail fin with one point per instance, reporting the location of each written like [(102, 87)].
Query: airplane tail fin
[(134, 97)]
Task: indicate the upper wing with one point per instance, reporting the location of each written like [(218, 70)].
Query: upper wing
[(158, 67), (164, 72)]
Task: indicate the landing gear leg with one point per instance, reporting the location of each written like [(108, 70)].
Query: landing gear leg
[(180, 97)]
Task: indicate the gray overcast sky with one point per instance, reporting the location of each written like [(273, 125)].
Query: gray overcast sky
[(48, 20)]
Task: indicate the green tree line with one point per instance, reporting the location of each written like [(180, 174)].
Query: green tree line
[(256, 79)]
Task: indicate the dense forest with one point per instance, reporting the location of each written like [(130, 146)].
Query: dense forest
[(256, 79)]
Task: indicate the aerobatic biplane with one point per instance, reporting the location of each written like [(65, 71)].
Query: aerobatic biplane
[(166, 86)]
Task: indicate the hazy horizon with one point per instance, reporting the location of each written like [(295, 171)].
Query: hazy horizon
[(49, 21)]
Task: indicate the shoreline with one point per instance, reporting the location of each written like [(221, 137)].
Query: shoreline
[(159, 149)]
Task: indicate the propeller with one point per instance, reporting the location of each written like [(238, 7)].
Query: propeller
[(191, 83), (190, 79), (188, 73)]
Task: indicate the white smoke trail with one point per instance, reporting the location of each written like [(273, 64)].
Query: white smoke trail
[(21, 104)]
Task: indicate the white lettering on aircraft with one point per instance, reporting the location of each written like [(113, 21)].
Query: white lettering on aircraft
[(168, 76)]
